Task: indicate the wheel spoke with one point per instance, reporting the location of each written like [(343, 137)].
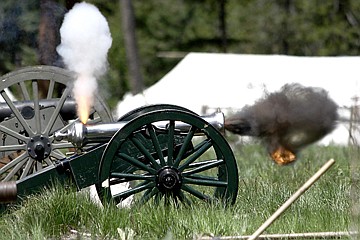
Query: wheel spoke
[(205, 182), (148, 195), (198, 146), (61, 145), (195, 192), (48, 161), (12, 148), (183, 198), (39, 166), (171, 143), (57, 154), (27, 168), (136, 163), (205, 145), (129, 176), (204, 167), (139, 188), (24, 91), (13, 133), (185, 145), (13, 163), (158, 198), (56, 111), (17, 113), (203, 177), (35, 88), (156, 144), (50, 89), (202, 163), (14, 171), (144, 151)]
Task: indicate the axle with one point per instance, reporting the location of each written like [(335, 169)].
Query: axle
[(80, 134)]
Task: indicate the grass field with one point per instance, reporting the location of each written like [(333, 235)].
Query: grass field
[(263, 187)]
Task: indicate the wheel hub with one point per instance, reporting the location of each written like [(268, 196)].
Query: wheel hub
[(168, 179), (39, 147)]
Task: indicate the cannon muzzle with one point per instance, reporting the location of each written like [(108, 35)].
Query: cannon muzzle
[(80, 134)]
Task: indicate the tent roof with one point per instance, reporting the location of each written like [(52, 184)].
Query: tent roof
[(235, 80)]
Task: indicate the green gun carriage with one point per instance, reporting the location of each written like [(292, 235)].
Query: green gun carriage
[(161, 151)]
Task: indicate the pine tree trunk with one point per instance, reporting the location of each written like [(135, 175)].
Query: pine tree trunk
[(132, 55)]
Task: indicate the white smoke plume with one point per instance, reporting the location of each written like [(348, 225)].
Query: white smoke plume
[(85, 41)]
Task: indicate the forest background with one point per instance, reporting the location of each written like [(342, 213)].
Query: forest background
[(151, 37)]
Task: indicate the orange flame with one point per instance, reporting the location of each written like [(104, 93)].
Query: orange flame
[(283, 156), (83, 108), (83, 91)]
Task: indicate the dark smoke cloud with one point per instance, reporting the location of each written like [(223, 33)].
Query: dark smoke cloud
[(293, 118)]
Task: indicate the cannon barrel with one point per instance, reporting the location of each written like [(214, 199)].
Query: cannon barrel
[(67, 111), (80, 134)]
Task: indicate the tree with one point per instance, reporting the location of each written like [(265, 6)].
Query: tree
[(144, 29), (17, 34), (132, 55), (222, 25), (49, 37)]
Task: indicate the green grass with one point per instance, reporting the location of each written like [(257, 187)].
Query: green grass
[(263, 188)]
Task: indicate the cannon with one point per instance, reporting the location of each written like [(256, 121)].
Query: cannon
[(163, 152)]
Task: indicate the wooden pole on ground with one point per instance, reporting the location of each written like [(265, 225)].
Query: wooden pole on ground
[(292, 199), (308, 235)]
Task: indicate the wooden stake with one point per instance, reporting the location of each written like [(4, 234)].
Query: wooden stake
[(295, 196), (309, 235)]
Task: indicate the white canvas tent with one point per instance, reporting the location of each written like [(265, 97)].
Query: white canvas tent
[(231, 81)]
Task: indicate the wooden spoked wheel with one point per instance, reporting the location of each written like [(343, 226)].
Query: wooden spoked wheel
[(29, 117), (166, 164)]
